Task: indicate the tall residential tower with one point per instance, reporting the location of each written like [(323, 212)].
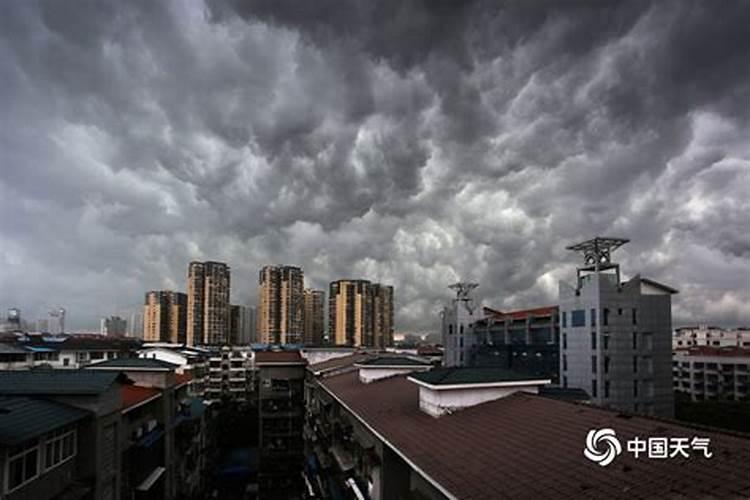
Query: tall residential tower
[(360, 313), (280, 304), (313, 317), (208, 303)]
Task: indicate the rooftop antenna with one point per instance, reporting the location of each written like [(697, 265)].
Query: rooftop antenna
[(463, 290), (597, 254)]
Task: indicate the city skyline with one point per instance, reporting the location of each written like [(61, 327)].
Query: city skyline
[(414, 145)]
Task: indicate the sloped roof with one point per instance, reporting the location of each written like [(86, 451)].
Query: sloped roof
[(23, 418), (279, 357), (530, 446), (389, 360), (134, 364), (338, 363), (473, 375), (57, 382), (133, 395)]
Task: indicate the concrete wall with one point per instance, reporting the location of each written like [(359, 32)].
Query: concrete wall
[(440, 402)]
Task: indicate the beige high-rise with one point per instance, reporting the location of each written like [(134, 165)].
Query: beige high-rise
[(165, 317), (208, 303), (280, 305), (313, 317), (360, 313)]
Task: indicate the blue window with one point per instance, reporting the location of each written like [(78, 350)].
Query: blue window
[(578, 318)]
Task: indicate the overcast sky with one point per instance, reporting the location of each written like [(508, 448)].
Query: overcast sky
[(413, 143)]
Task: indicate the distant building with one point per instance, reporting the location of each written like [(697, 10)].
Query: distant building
[(165, 317), (241, 325), (360, 313), (114, 326), (314, 317), (711, 373), (616, 336), (56, 323), (230, 375), (525, 341), (13, 321), (208, 303), (711, 336), (458, 339), (280, 305), (135, 325)]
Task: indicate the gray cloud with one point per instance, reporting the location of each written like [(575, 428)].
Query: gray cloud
[(411, 142)]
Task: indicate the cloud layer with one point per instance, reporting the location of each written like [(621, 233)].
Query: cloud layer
[(415, 143)]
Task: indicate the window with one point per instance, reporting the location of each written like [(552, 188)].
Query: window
[(605, 316), (565, 340), (619, 312), (635, 364), (450, 329), (635, 317), (59, 447), (635, 340), (593, 364), (66, 361), (461, 329), (593, 389), (461, 342), (606, 364), (593, 317), (578, 318), (606, 388), (593, 340), (565, 319), (565, 362), (635, 388), (605, 342), (22, 464), (565, 382)]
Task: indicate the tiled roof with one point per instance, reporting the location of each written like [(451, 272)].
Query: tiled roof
[(278, 357), (478, 375), (135, 364), (529, 446), (58, 382), (394, 361), (23, 418), (133, 395)]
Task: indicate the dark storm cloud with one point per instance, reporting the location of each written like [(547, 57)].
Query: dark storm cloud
[(414, 142)]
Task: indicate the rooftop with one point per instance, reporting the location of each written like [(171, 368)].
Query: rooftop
[(146, 364), (728, 351), (133, 395), (521, 314), (394, 361), (338, 363), (23, 418), (285, 357), (525, 445), (478, 375), (58, 382)]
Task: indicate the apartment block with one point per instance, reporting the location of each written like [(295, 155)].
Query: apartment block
[(114, 326), (208, 303), (242, 323), (165, 316), (360, 313), (712, 373), (314, 317), (280, 305), (710, 336), (616, 335)]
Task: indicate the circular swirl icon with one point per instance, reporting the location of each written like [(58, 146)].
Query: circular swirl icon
[(607, 438)]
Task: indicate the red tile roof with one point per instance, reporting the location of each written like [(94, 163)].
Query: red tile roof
[(278, 357), (525, 446), (132, 395)]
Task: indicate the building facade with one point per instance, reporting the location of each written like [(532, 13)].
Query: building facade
[(280, 305), (360, 313), (458, 339), (710, 336), (114, 325), (241, 325), (314, 317), (165, 316), (616, 336), (208, 303), (712, 373)]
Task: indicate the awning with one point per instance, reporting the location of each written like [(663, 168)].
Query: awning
[(151, 479)]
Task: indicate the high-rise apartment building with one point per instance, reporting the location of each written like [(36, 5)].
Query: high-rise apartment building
[(135, 325), (313, 317), (280, 304), (616, 336), (241, 325), (165, 317), (382, 316), (113, 325), (360, 313), (208, 303)]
